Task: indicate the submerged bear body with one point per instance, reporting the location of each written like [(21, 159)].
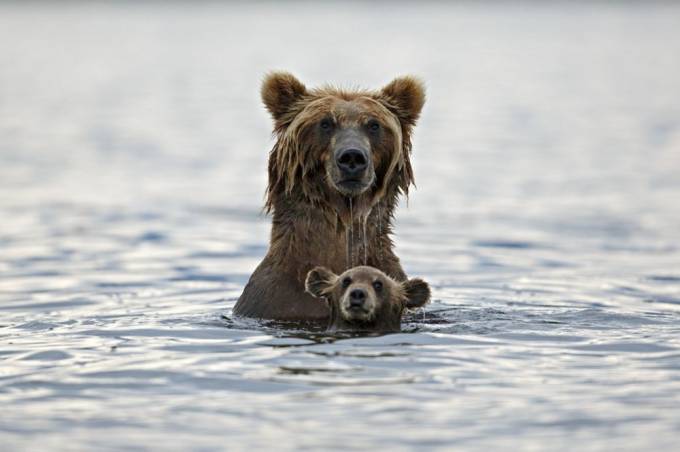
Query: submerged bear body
[(340, 162)]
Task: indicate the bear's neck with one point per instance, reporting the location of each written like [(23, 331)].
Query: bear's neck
[(347, 233)]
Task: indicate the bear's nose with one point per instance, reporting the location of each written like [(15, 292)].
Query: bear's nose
[(357, 297), (352, 161)]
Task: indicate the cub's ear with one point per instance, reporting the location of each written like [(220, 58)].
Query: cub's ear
[(417, 292), (319, 281), (405, 96), (280, 90)]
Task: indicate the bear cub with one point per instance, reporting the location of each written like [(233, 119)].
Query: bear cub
[(366, 299)]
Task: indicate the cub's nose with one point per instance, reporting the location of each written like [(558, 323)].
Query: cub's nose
[(352, 161), (357, 297)]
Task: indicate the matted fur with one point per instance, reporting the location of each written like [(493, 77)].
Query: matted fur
[(398, 105)]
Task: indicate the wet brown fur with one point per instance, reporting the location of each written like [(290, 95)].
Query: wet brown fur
[(311, 221)]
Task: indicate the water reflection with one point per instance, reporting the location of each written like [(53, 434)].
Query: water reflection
[(546, 220)]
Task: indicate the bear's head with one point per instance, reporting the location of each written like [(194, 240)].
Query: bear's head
[(335, 144), (365, 299)]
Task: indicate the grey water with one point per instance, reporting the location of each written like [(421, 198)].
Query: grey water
[(133, 149)]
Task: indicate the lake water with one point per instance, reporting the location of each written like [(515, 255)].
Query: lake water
[(133, 150)]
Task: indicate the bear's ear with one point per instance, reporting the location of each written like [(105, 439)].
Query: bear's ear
[(280, 91), (405, 97), (417, 293), (319, 280)]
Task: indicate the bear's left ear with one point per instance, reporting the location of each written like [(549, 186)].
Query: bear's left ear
[(319, 280), (280, 91), (405, 96), (417, 292)]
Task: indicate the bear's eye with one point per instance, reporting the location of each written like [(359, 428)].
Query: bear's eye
[(373, 125), (326, 124), (346, 282), (377, 285)]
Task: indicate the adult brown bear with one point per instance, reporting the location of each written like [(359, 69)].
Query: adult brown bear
[(340, 162)]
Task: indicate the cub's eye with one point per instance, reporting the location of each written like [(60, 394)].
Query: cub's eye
[(346, 282), (326, 124), (374, 126), (377, 285)]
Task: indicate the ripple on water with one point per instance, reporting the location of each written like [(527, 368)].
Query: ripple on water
[(130, 222), (50, 355)]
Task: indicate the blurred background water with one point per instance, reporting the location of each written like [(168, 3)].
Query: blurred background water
[(133, 149)]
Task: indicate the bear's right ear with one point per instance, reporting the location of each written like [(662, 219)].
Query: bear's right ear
[(280, 91), (417, 293), (319, 280), (405, 96)]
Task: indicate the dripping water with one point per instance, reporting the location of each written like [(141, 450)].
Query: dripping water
[(350, 236), (365, 242), (379, 235)]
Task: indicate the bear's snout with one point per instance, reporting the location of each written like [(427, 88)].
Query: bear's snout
[(351, 168), (352, 162), (357, 298), (358, 304)]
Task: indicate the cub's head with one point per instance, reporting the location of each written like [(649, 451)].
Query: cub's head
[(334, 142), (366, 299)]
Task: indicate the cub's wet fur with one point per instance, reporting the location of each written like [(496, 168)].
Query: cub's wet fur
[(366, 299)]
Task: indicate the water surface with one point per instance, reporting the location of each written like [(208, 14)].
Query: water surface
[(133, 154)]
